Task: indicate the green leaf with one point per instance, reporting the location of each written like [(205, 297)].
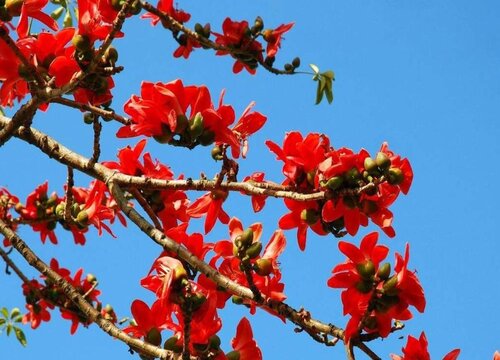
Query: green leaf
[(20, 336), (314, 68), (8, 329), (329, 74), (2, 322), (319, 93), (5, 312), (15, 312)]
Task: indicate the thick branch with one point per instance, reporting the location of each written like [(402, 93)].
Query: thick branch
[(90, 312)]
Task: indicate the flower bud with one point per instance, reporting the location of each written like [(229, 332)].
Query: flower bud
[(172, 344), (82, 218), (364, 286), (81, 42), (182, 124), (217, 153), (165, 136), (366, 269), (60, 209), (334, 183), (197, 300), (111, 55), (395, 176), (310, 177), (196, 126), (352, 176), (296, 62), (254, 250), (389, 286), (246, 237), (384, 271), (180, 273), (263, 267), (214, 342), (382, 161), (309, 216), (370, 165), (14, 7), (88, 118), (153, 336), (91, 278), (288, 67)]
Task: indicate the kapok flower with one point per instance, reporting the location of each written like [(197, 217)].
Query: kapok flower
[(273, 38), (244, 344), (416, 349)]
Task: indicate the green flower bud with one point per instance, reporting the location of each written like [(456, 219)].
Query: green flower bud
[(395, 176), (366, 269), (389, 286), (91, 278), (382, 161), (263, 267), (81, 42), (296, 62), (182, 124), (172, 344), (352, 176), (88, 118), (60, 209), (153, 336), (384, 271), (214, 342), (14, 7), (334, 183), (217, 153), (254, 250), (364, 286), (310, 177), (196, 127), (111, 55), (370, 165), (246, 237), (309, 216), (197, 300), (82, 218)]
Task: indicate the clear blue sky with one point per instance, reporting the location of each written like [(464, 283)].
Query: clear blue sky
[(424, 76)]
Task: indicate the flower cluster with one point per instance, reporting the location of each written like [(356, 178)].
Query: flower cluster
[(58, 56), (240, 41), (357, 187), (181, 300), (372, 296), (185, 116), (42, 297), (242, 256), (42, 212)]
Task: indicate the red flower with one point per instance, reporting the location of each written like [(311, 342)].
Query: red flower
[(244, 344), (273, 38), (33, 9), (13, 86), (147, 318), (258, 201), (161, 276), (167, 6), (249, 123), (303, 215), (236, 35), (37, 313), (416, 349), (210, 205), (372, 297)]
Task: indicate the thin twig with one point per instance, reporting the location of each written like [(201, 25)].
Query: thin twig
[(69, 196), (147, 208), (105, 114)]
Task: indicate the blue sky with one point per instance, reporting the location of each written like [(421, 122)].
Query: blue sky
[(424, 76)]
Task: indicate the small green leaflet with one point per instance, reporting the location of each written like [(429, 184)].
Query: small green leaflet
[(7, 323), (325, 84)]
